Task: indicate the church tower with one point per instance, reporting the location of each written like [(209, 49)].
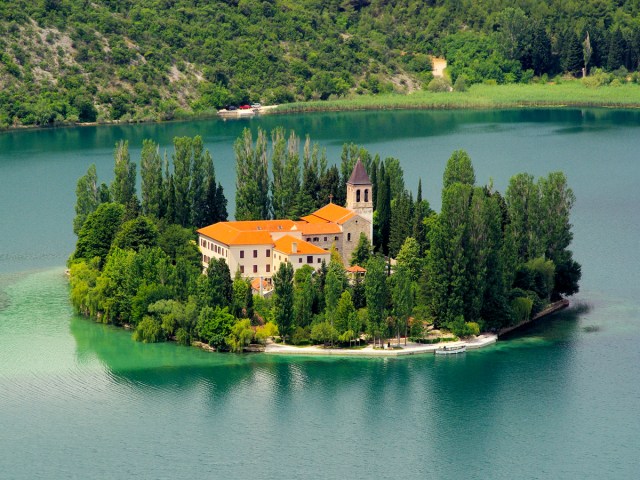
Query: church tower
[(360, 195)]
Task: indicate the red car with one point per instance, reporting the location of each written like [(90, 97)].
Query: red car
[(245, 107)]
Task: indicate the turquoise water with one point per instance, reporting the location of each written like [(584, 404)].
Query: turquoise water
[(81, 400)]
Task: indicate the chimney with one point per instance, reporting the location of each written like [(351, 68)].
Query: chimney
[(294, 247)]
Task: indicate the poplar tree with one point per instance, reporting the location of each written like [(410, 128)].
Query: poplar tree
[(200, 168), (87, 197), (123, 187), (151, 178), (252, 177), (182, 167), (285, 168)]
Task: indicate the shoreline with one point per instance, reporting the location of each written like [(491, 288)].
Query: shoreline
[(481, 341), (566, 95)]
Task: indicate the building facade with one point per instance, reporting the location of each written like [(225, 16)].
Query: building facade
[(257, 248)]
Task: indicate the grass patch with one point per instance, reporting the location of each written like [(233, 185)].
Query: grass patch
[(570, 93)]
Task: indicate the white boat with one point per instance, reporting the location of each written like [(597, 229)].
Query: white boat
[(450, 350)]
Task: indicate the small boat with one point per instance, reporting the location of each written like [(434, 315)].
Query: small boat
[(450, 350)]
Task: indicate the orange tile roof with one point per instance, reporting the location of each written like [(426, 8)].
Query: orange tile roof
[(229, 234), (333, 213), (255, 284), (266, 225), (285, 245), (356, 269), (318, 228)]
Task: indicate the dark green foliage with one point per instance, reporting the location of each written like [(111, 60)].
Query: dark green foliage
[(283, 300), (136, 233), (219, 287), (252, 179), (383, 211), (123, 187), (149, 60), (87, 197), (458, 170), (376, 295), (151, 175), (98, 231)]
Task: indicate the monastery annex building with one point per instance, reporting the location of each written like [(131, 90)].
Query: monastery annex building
[(257, 248)]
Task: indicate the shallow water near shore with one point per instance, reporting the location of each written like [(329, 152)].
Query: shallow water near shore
[(81, 400)]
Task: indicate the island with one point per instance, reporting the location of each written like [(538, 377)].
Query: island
[(339, 256)]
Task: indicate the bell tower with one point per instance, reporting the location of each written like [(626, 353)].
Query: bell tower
[(360, 195)]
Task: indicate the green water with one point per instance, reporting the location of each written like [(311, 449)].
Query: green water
[(81, 400)]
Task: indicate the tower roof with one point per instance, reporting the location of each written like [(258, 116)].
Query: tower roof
[(359, 175)]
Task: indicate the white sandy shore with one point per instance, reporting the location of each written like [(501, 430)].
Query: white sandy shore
[(368, 351)]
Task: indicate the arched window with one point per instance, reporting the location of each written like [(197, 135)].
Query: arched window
[(366, 195), (357, 195), (348, 237)]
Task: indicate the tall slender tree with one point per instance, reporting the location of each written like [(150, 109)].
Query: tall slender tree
[(123, 187), (87, 197), (151, 177), (283, 300)]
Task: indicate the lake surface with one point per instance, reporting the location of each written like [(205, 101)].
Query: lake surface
[(81, 400)]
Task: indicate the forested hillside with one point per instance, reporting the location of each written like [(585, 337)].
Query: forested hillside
[(130, 60)]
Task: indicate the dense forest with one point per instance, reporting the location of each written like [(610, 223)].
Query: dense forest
[(486, 261), (125, 60)]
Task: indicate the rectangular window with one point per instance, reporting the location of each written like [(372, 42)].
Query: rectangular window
[(309, 258), (335, 238), (241, 253), (268, 268), (268, 252), (255, 269), (319, 261), (315, 239), (241, 268), (255, 254), (300, 260), (325, 239)]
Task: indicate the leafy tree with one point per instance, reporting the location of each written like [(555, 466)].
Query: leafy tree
[(151, 174), (362, 252), (376, 294), (283, 299), (240, 336), (136, 233), (219, 287), (214, 326), (123, 187), (402, 295), (252, 181), (303, 296), (181, 179), (87, 197), (383, 211), (459, 169), (98, 231), (200, 171), (409, 258)]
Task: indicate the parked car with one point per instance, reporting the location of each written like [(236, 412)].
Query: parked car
[(232, 107), (255, 105), (245, 107)]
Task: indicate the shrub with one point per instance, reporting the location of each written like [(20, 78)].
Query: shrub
[(460, 84), (439, 84)]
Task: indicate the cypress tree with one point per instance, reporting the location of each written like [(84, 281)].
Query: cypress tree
[(123, 187)]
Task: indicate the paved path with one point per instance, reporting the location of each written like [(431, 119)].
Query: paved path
[(368, 351)]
